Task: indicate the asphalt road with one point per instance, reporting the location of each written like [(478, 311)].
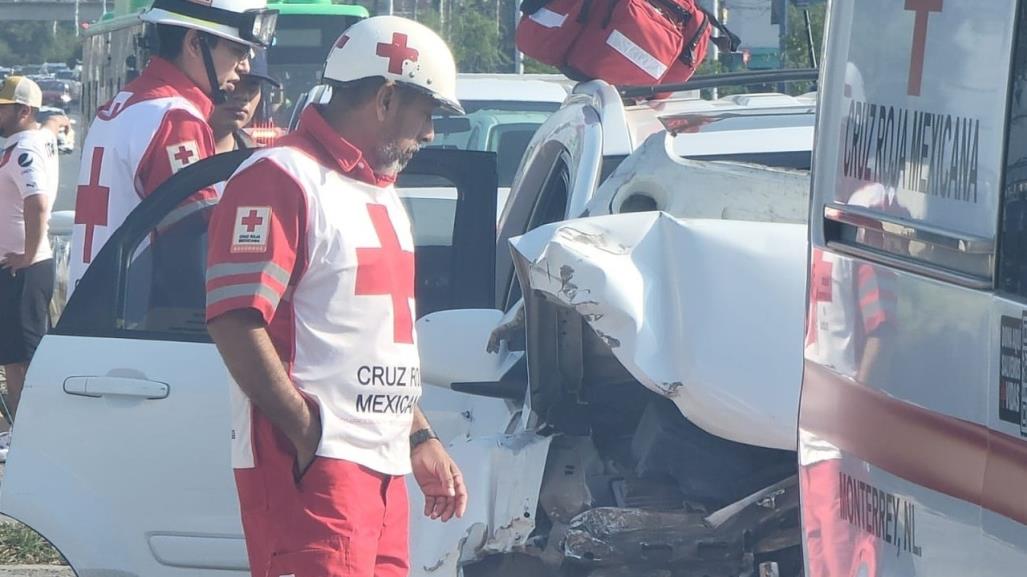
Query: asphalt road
[(69, 175)]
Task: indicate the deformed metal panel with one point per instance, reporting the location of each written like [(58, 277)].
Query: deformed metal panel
[(708, 313)]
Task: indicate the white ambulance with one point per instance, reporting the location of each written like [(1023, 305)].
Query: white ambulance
[(913, 418)]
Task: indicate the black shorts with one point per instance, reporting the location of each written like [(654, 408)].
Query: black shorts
[(24, 310)]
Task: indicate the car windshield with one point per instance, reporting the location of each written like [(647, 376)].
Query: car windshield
[(503, 127), (52, 85)]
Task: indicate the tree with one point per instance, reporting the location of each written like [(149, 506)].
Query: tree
[(796, 48), (37, 41), (473, 35)]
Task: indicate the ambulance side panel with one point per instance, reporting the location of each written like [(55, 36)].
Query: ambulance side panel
[(910, 460)]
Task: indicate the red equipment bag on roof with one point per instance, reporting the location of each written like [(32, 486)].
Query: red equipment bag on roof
[(624, 42)]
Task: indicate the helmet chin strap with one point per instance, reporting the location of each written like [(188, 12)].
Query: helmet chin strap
[(217, 95)]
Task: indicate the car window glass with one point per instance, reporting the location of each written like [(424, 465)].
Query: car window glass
[(165, 278), (1012, 271), (503, 127), (551, 207), (431, 203)]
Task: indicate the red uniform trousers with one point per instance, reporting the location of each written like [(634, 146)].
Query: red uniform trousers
[(339, 519)]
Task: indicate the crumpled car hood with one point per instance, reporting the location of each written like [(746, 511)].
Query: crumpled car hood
[(708, 313)]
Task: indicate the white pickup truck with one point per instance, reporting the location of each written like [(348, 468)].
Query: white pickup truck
[(616, 410)]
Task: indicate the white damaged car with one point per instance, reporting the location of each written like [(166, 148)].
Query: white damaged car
[(637, 417)]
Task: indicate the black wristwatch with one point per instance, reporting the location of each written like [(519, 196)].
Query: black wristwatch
[(419, 437)]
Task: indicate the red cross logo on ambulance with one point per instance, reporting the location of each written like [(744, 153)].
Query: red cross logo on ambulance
[(252, 224), (922, 9), (182, 154)]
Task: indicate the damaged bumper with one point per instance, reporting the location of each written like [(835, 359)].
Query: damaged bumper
[(708, 313)]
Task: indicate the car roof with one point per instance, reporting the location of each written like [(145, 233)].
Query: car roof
[(749, 130), (628, 124), (510, 87)]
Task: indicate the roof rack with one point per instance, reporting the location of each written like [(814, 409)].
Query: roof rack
[(718, 80)]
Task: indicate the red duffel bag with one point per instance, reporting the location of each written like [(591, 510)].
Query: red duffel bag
[(624, 42)]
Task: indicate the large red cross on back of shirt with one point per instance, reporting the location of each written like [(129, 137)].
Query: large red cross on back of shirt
[(388, 270), (91, 203)]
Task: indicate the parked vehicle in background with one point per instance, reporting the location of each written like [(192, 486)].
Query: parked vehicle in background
[(71, 77), (54, 67), (56, 92), (32, 70)]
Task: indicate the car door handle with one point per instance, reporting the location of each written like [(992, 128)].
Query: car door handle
[(115, 387)]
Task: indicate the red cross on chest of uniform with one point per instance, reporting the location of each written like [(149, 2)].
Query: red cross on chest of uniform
[(388, 271), (91, 203), (397, 52), (252, 221), (183, 155)]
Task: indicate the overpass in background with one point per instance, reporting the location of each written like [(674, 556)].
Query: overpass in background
[(50, 10)]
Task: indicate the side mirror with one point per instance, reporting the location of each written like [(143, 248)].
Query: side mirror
[(452, 347)]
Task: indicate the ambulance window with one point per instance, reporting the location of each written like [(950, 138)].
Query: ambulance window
[(910, 151), (1012, 264)]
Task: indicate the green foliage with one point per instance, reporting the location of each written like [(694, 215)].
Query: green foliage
[(20, 545), (796, 48), (473, 34), (532, 66), (796, 51), (34, 42), (476, 38)]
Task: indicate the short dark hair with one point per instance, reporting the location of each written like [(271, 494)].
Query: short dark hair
[(171, 40)]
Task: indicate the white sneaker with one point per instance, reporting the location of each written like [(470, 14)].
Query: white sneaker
[(5, 445)]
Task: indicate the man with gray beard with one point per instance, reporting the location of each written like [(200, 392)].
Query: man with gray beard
[(310, 300)]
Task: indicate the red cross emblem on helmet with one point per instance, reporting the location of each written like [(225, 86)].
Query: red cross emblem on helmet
[(400, 50), (397, 52)]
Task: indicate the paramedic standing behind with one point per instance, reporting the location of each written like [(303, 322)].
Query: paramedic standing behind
[(157, 124), (230, 117), (310, 286), (28, 186)]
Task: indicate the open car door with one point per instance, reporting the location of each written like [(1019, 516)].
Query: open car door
[(121, 451)]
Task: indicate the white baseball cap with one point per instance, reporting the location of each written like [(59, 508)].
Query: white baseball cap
[(21, 90)]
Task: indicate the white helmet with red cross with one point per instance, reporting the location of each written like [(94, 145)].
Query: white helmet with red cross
[(400, 50), (246, 21)]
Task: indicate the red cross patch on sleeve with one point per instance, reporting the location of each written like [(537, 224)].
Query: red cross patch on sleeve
[(252, 224), (182, 155)]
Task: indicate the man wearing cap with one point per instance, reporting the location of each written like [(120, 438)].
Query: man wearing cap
[(310, 300), (157, 124), (28, 186), (230, 117)]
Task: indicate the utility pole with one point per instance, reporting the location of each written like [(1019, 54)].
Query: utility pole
[(518, 58), (714, 49)]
